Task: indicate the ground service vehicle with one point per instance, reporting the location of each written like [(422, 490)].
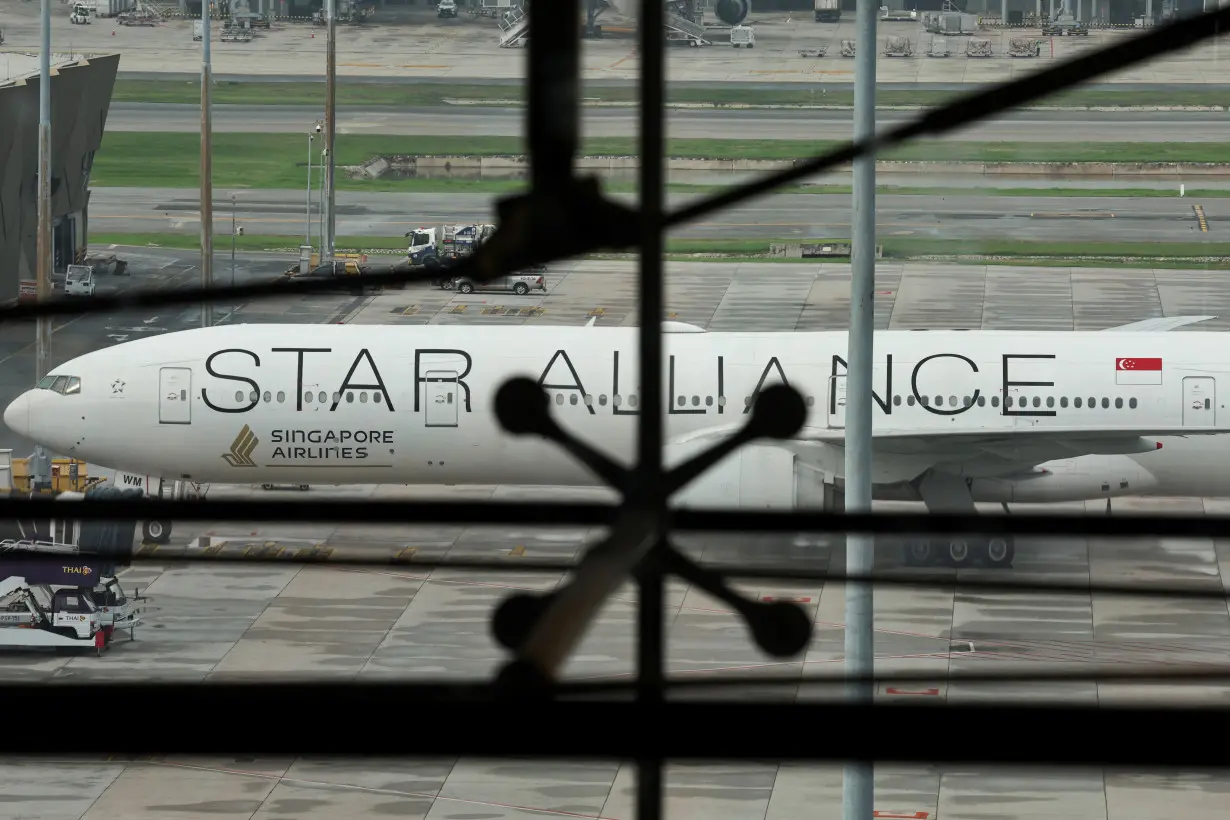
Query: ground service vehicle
[(79, 281), (446, 8), (518, 283)]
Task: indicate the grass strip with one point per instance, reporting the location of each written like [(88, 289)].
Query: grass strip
[(353, 91), (170, 160), (754, 249)]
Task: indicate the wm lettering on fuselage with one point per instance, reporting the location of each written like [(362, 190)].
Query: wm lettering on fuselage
[(133, 480), (928, 377)]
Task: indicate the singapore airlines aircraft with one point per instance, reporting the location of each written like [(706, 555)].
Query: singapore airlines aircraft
[(959, 416)]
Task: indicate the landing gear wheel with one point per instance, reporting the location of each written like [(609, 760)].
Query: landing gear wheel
[(1000, 552), (959, 553), (156, 532), (919, 554)]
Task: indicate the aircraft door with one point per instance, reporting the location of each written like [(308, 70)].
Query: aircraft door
[(441, 398), (1199, 401), (175, 395), (836, 404)]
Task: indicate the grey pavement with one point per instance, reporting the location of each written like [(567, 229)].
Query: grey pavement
[(784, 216), (214, 624), (469, 120)]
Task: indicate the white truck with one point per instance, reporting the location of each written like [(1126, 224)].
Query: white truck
[(434, 248), (446, 8), (34, 616), (828, 11)]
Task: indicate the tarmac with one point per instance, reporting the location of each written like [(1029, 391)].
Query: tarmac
[(279, 621), (415, 44), (795, 217)]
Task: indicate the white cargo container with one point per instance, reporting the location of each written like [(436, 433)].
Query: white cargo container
[(113, 8)]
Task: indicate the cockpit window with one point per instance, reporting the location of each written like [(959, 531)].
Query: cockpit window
[(64, 385)]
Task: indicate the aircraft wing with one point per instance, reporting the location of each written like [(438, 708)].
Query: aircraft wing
[(901, 455), (1159, 324)]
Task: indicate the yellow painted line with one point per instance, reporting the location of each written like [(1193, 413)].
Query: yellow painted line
[(517, 551), (410, 311), (597, 312), (147, 549), (422, 66), (458, 309), (622, 60), (406, 554), (1200, 220), (363, 65)]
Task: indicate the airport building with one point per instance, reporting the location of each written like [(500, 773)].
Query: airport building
[(80, 98)]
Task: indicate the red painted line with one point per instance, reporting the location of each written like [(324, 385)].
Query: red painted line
[(768, 599), (894, 691), (918, 815)]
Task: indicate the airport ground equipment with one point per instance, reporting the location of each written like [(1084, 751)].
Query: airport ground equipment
[(66, 617), (1024, 47), (828, 11), (45, 564), (446, 8), (847, 48), (814, 53), (79, 281), (742, 36), (938, 48), (1064, 24), (888, 15), (978, 48), (515, 26), (435, 247), (898, 47), (80, 15)]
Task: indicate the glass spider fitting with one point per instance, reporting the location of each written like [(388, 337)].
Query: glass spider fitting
[(781, 629)]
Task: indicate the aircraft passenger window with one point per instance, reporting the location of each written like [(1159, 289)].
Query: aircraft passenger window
[(708, 401), (268, 397), (982, 401), (617, 400), (1132, 403), (253, 396), (1007, 401), (1050, 401), (281, 396), (1118, 404), (924, 400), (602, 399), (336, 398), (559, 398), (632, 400), (589, 400), (995, 401), (307, 397), (572, 399), (349, 397), (323, 396), (952, 401), (696, 401), (1105, 404), (721, 401), (363, 397), (909, 400), (1093, 403), (1037, 401), (238, 395), (896, 401), (1076, 402), (377, 397), (966, 401), (74, 386), (1063, 401), (939, 401)]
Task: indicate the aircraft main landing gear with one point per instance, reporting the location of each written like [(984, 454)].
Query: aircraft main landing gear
[(156, 532)]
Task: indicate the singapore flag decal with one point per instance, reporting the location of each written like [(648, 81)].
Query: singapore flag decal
[(1138, 371)]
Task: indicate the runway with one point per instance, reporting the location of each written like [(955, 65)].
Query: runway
[(220, 623), (461, 120), (785, 216)]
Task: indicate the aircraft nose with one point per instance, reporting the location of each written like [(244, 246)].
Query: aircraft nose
[(17, 415)]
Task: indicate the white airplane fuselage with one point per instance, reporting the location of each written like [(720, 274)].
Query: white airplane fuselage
[(338, 404)]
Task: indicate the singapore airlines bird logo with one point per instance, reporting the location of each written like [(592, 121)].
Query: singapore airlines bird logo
[(241, 449)]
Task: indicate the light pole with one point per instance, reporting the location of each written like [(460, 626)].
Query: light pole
[(233, 235), (324, 154), (307, 203)]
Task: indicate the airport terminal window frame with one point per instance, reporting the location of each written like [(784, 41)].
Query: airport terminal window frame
[(604, 720)]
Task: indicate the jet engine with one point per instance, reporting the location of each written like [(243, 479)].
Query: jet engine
[(752, 478), (732, 12)]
